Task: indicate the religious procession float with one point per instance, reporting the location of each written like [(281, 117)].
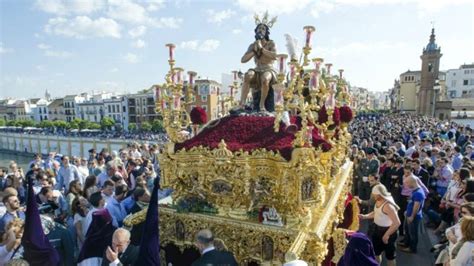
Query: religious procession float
[(271, 177)]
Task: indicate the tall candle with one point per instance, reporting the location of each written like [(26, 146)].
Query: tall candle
[(231, 91), (292, 71), (235, 75), (328, 67), (309, 31), (179, 76), (177, 102), (173, 78), (171, 50), (163, 104), (157, 93), (340, 73), (279, 99)]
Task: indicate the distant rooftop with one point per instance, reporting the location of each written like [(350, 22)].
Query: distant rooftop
[(464, 66)]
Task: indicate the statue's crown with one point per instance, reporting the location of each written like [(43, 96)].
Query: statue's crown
[(265, 20)]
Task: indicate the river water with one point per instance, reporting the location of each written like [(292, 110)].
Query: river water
[(21, 160)]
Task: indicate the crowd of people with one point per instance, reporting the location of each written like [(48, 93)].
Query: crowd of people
[(412, 172), (98, 134), (79, 198), (409, 173)]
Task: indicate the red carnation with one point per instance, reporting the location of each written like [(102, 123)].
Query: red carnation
[(322, 115), (346, 114), (326, 147), (336, 116), (198, 116)]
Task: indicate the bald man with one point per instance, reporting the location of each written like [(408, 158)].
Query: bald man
[(121, 252), (209, 255), (414, 214)]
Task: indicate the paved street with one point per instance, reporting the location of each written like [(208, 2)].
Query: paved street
[(422, 258)]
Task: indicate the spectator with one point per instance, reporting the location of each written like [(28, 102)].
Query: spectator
[(209, 255), (121, 252), (413, 216), (12, 205), (462, 251), (386, 224)]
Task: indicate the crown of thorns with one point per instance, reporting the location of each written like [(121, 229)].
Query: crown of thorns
[(264, 20)]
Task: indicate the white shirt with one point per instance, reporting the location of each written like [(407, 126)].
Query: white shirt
[(88, 220), (208, 249), (465, 254), (5, 255)]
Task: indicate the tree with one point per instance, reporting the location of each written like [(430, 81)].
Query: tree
[(46, 124), (132, 127), (2, 122), (145, 126), (91, 125), (83, 124), (107, 123), (61, 124), (157, 125), (13, 123), (26, 123)]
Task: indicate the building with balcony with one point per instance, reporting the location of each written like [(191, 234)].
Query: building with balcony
[(141, 107), (70, 105), (116, 108), (460, 82), (56, 110)]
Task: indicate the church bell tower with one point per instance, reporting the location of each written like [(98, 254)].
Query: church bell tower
[(429, 74)]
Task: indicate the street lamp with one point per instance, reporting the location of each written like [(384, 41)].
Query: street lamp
[(436, 89)]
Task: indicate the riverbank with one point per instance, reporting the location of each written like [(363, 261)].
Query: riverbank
[(21, 158)]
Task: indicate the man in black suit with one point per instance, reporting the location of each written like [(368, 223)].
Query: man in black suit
[(209, 255), (420, 172), (121, 253)]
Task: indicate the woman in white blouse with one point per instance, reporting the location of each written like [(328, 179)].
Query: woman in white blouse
[(463, 251)]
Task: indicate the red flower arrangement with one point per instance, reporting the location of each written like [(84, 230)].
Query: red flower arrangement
[(322, 115), (248, 133), (198, 116), (336, 116), (346, 114)]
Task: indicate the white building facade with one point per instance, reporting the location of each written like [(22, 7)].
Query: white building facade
[(40, 111), (460, 82), (117, 108)]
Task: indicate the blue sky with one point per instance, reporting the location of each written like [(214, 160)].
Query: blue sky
[(118, 45)]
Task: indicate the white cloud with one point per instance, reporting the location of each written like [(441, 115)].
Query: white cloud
[(205, 46), (218, 16), (139, 43), (113, 70), (236, 31), (40, 67), (358, 48), (154, 5), (191, 45), (131, 58), (134, 13), (128, 11), (82, 27), (169, 22), (65, 7), (274, 7), (4, 50), (58, 54), (43, 46), (137, 32), (209, 45)]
